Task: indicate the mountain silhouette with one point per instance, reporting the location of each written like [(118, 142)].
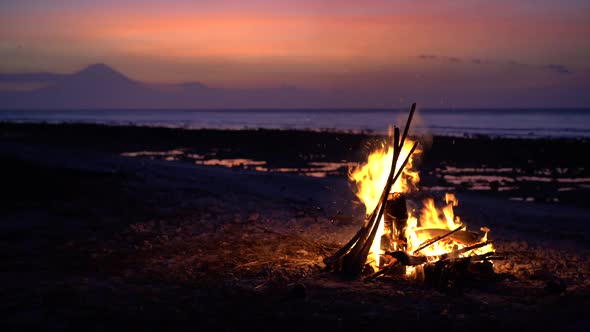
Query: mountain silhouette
[(99, 86), (96, 86)]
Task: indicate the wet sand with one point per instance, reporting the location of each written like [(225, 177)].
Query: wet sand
[(94, 239)]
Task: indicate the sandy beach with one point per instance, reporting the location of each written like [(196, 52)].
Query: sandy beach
[(113, 228)]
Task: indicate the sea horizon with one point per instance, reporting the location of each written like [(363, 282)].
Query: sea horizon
[(495, 122)]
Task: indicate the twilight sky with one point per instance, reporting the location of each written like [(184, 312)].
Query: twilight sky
[(370, 47)]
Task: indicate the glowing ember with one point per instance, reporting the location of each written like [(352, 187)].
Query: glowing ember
[(370, 179)]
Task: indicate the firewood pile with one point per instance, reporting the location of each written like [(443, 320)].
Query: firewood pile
[(389, 217)]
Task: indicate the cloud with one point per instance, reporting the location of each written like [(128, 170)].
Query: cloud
[(561, 69), (432, 57), (556, 68), (428, 57)]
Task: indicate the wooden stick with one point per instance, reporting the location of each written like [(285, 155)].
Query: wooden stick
[(382, 207), (406, 259), (383, 270), (396, 153), (356, 258), (351, 258), (458, 252), (361, 234), (464, 237), (438, 238), (482, 257), (399, 143), (407, 127), (332, 260)]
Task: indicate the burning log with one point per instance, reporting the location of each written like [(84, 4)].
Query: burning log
[(395, 222), (411, 260), (407, 260), (452, 274), (464, 237), (438, 238), (456, 253), (447, 274), (392, 265)]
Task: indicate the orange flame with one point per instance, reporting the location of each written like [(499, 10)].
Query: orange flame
[(370, 179)]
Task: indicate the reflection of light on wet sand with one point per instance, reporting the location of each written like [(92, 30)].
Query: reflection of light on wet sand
[(452, 169), (508, 179), (323, 169), (526, 199), (479, 179), (313, 169), (316, 174), (438, 188), (195, 156), (231, 162), (457, 179), (562, 180), (566, 189), (153, 153), (530, 199), (332, 166), (286, 170)]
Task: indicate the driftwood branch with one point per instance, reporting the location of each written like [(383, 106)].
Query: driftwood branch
[(456, 253), (436, 239), (463, 237), (384, 270), (407, 260)]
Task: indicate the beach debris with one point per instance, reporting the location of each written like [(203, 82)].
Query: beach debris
[(429, 244)]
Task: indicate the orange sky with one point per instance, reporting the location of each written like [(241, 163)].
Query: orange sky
[(309, 43)]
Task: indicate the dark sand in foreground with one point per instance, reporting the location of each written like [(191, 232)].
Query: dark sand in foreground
[(95, 240)]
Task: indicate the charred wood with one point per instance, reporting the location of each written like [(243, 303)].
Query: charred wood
[(395, 223), (438, 238), (463, 237), (457, 253)]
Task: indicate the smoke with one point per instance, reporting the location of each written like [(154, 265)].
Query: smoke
[(419, 132), (419, 129)]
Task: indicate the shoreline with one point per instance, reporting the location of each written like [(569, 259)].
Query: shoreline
[(513, 123), (369, 132), (550, 170)]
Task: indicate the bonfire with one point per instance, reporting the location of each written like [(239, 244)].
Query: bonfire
[(428, 243)]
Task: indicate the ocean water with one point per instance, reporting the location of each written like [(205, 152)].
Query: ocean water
[(531, 123)]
